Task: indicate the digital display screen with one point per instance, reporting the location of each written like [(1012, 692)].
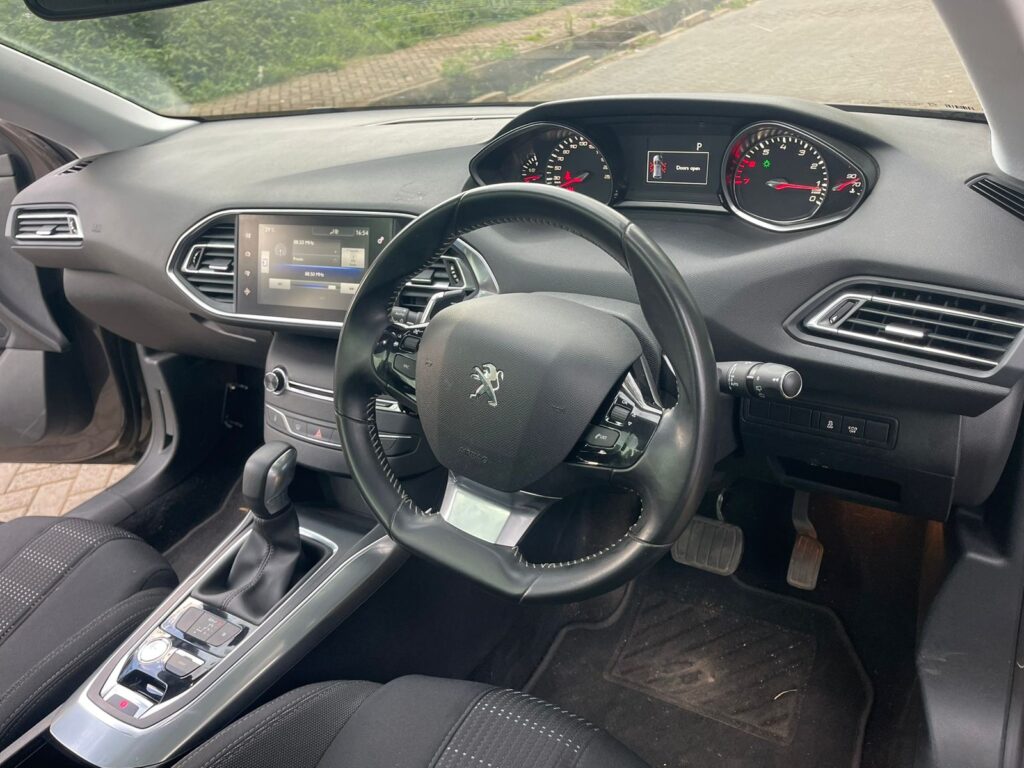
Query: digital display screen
[(317, 266), (305, 266), (677, 167)]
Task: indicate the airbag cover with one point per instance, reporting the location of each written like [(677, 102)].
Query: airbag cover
[(505, 385)]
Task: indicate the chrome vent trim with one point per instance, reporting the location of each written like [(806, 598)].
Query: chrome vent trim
[(967, 332), (443, 278), (209, 263), (1003, 195), (52, 225)]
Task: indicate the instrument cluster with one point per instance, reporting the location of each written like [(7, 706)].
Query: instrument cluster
[(773, 175)]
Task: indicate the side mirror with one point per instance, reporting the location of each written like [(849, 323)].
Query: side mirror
[(71, 10)]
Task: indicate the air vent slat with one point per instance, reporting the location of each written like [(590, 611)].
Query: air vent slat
[(958, 330), (1003, 195), (208, 262), (441, 275), (51, 226)]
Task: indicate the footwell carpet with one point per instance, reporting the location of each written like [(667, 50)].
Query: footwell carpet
[(699, 670)]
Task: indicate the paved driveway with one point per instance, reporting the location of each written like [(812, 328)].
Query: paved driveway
[(837, 51)]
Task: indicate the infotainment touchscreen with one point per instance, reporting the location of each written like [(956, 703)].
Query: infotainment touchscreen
[(305, 266)]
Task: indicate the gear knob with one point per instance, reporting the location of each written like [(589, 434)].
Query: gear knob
[(265, 480)]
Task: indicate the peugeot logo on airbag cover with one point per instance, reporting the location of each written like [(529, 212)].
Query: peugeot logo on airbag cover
[(490, 379)]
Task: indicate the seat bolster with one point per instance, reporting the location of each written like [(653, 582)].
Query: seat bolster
[(45, 684), (293, 730)]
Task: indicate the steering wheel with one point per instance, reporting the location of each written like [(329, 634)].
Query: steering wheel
[(527, 391)]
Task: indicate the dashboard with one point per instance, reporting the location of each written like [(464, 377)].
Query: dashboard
[(772, 174), (861, 249)]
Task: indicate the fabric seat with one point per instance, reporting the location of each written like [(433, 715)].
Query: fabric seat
[(70, 591), (412, 722)]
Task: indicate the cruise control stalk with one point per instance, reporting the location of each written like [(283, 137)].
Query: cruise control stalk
[(765, 381)]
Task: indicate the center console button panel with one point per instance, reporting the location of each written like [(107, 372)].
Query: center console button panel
[(854, 428)]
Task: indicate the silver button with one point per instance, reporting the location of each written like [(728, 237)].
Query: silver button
[(153, 650)]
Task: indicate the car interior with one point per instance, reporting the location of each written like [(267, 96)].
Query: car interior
[(634, 429)]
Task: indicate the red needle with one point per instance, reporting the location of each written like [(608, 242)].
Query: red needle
[(570, 181), (844, 185), (787, 185), (529, 179)]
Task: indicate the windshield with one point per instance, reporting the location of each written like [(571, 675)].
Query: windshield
[(245, 57)]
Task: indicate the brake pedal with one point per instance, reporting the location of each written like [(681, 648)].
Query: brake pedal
[(805, 562), (710, 545)]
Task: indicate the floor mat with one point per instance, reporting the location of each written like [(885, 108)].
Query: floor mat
[(699, 670)]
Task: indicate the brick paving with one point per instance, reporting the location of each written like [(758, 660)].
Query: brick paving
[(876, 52), (371, 78), (52, 489)]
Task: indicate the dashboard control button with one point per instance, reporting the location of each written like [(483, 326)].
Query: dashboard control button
[(405, 366), (153, 650), (205, 627), (779, 413), (225, 634), (602, 437), (318, 432), (182, 664), (799, 417), (121, 704), (298, 427), (830, 422), (275, 420), (274, 381), (877, 431), (853, 427), (759, 409), (188, 618)]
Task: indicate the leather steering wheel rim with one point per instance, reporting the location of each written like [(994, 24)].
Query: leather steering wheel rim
[(669, 479)]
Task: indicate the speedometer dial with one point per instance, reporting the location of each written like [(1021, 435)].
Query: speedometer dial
[(776, 176), (576, 164)]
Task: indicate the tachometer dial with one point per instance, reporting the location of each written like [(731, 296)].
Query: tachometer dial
[(777, 176), (577, 164), (530, 169)]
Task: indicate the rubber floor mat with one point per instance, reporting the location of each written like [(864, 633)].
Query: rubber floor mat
[(699, 670)]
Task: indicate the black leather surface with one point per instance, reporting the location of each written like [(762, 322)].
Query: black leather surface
[(558, 361), (412, 722), (262, 570), (96, 601), (670, 478)]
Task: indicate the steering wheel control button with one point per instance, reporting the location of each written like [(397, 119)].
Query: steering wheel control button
[(411, 343), (404, 366), (205, 627), (182, 664), (619, 414), (602, 437), (153, 650), (188, 618), (225, 635)]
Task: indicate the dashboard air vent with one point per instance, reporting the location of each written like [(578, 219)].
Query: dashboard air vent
[(36, 226), (1006, 197), (78, 166), (209, 262), (441, 276), (962, 331)]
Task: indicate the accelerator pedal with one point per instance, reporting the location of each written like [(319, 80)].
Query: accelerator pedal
[(710, 545), (805, 561)]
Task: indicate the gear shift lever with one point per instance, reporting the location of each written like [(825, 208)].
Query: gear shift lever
[(265, 567)]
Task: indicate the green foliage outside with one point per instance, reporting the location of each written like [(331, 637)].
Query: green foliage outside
[(169, 59)]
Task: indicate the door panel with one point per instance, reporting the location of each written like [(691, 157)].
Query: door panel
[(68, 390)]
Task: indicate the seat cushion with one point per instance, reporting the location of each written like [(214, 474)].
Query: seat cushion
[(412, 722), (70, 591)]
